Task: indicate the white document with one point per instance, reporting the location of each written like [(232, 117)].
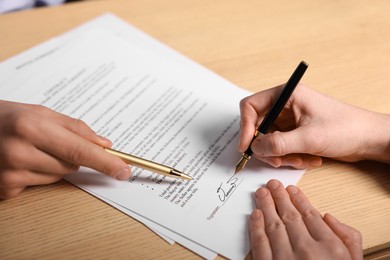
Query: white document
[(153, 103)]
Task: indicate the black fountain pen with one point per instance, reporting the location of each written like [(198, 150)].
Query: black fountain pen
[(274, 112)]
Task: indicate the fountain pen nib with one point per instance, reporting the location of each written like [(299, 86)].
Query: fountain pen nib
[(241, 163)]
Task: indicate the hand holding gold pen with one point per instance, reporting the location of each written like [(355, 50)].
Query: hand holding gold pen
[(149, 165)]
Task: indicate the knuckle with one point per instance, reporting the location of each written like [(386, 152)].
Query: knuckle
[(291, 217), (244, 102), (77, 155), (80, 123), (81, 126), (305, 251), (354, 237), (40, 109), (274, 226), (277, 143), (258, 236), (310, 213), (258, 241), (22, 124), (339, 251)]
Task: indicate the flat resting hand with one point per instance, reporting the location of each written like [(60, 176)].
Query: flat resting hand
[(286, 226)]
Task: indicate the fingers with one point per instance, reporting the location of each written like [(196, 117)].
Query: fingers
[(274, 226), (351, 238), (312, 218), (282, 143), (286, 149), (73, 146), (39, 146), (80, 128), (296, 140), (298, 161), (252, 109), (289, 215), (286, 226), (24, 156), (249, 118), (261, 248), (23, 178), (76, 126), (15, 181)]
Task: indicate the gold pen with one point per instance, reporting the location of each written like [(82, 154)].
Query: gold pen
[(149, 165)]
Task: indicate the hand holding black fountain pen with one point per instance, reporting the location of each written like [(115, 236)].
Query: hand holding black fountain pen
[(274, 112)]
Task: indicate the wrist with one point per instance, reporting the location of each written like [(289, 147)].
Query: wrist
[(377, 145)]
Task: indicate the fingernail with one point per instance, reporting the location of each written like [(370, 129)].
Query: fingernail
[(257, 147), (292, 189), (274, 161), (315, 162), (123, 174), (261, 192), (293, 162), (273, 184), (104, 139)]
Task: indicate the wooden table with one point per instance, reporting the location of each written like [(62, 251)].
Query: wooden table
[(254, 44)]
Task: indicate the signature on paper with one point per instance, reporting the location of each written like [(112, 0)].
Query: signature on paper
[(226, 189), (224, 192)]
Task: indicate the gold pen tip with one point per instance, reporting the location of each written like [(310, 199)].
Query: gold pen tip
[(186, 177), (181, 175), (241, 164)]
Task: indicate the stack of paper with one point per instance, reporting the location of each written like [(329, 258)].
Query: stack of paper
[(154, 103)]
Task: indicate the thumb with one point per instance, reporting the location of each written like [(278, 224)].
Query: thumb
[(281, 143)]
